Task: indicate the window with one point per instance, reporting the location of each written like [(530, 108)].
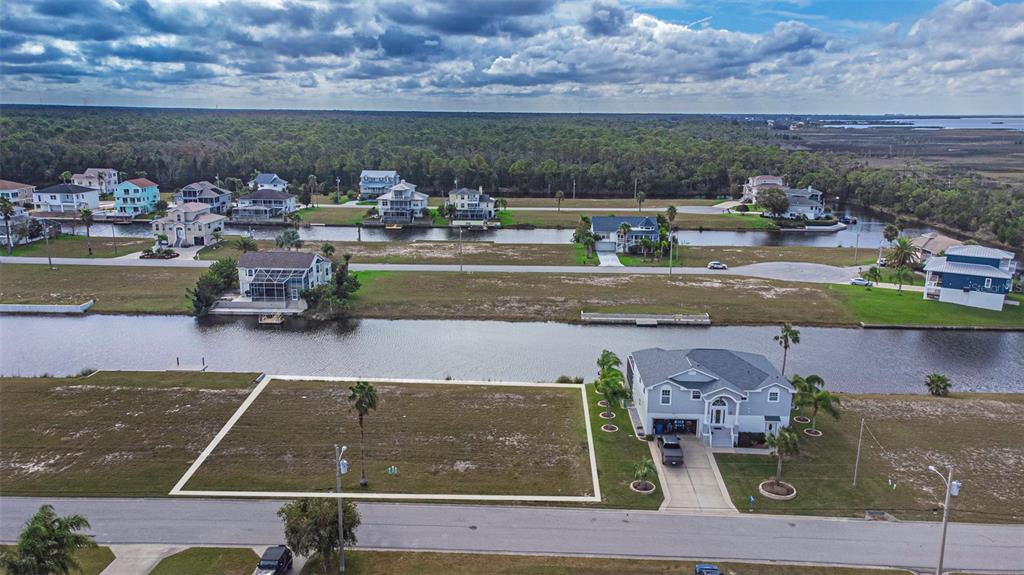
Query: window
[(666, 396), (773, 396), (988, 283), (248, 273), (695, 394)]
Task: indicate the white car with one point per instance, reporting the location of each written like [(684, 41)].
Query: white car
[(882, 262), (717, 266), (860, 282)]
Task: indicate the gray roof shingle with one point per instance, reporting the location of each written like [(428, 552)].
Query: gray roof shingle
[(277, 260), (943, 265), (736, 370), (605, 224)]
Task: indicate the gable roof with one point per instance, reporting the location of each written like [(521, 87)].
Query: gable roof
[(706, 369), (66, 189), (612, 223), (277, 259), (268, 179), (191, 207), (9, 185), (378, 174), (267, 194), (205, 189), (142, 182), (934, 242), (403, 185), (943, 265), (978, 252)]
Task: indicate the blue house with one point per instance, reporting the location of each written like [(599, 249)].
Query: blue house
[(974, 276), (374, 183), (268, 181), (610, 237), (134, 197)]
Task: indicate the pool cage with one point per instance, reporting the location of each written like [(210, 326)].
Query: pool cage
[(277, 285)]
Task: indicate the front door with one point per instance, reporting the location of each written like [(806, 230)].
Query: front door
[(771, 427), (718, 411)]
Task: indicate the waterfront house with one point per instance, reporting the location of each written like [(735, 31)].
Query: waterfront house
[(138, 196), (189, 224), (803, 202), (61, 198), (102, 179), (373, 183), (17, 193), (280, 276), (715, 394), (264, 205), (756, 184), (204, 192), (970, 275), (610, 238), (933, 244), (401, 204), (471, 206), (268, 181)]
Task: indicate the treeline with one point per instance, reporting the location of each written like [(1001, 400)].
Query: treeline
[(507, 154)]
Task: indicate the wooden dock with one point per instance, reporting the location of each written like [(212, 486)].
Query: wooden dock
[(646, 319)]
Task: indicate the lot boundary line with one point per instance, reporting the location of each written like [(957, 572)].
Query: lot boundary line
[(179, 487)]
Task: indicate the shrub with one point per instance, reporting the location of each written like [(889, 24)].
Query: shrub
[(742, 208)]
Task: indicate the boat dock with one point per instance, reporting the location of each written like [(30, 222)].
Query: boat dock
[(646, 319)]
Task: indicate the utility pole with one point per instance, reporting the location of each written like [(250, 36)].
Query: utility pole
[(46, 238), (340, 468), (856, 246), (460, 249), (113, 239), (856, 463), (635, 182), (952, 488), (574, 187)]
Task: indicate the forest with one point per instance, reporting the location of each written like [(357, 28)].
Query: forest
[(508, 154)]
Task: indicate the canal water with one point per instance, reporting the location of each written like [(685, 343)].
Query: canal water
[(848, 359), (867, 234)]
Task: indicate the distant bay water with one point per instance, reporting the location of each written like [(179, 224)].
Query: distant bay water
[(962, 123)]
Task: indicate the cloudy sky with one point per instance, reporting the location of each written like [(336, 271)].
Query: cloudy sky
[(801, 56)]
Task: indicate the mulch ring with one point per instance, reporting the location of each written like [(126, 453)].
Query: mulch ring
[(648, 485), (813, 432), (802, 419), (607, 415), (609, 428)]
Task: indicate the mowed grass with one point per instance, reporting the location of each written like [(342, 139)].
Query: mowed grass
[(468, 439), (68, 246), (617, 454), (360, 562), (332, 216), (91, 561), (699, 256), (114, 433), (208, 561), (887, 307), (569, 219), (561, 297), (116, 289), (978, 433), (607, 203)]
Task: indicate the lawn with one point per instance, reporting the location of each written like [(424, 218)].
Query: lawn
[(91, 561), (359, 562), (887, 306), (617, 454), (699, 256), (561, 297), (468, 439), (606, 203), (111, 434), (209, 561), (978, 433), (331, 216), (116, 289), (568, 219), (69, 246)]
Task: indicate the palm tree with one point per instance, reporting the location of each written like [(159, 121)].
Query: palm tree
[(294, 218), (245, 244), (642, 471), (810, 391), (559, 196), (608, 361), (217, 236), (670, 214), (891, 232), (788, 336), (937, 384), (873, 275), (288, 239), (7, 211), (609, 384), (624, 229), (902, 275), (589, 242), (327, 250), (640, 197), (364, 399), (85, 214), (783, 443), (502, 203), (47, 544), (646, 246), (903, 253), (65, 176)]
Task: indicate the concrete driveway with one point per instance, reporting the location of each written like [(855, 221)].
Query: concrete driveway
[(609, 259), (696, 486)]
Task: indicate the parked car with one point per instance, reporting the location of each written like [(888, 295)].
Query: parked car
[(847, 220), (706, 569), (276, 560), (860, 282), (716, 265), (882, 262), (671, 450)]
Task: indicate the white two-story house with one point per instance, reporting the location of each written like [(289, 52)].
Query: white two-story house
[(715, 394), (280, 276), (402, 204), (470, 206), (66, 198), (102, 179), (373, 183)]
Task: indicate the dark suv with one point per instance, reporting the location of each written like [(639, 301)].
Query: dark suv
[(276, 560), (671, 450)]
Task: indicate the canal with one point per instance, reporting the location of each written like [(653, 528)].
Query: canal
[(848, 359)]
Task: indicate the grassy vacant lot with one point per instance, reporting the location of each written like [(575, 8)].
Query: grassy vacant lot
[(568, 219), (91, 561), (443, 438), (423, 252), (359, 562), (978, 433), (561, 297), (115, 289), (68, 246), (208, 561), (887, 306), (333, 216), (114, 433), (606, 203), (697, 256), (617, 454)]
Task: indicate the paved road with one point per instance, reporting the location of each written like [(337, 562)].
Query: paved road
[(994, 548), (619, 210)]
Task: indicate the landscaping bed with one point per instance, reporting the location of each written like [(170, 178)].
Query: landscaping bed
[(91, 560)]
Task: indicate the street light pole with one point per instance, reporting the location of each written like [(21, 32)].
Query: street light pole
[(460, 249), (340, 468), (46, 238), (952, 488), (860, 440)]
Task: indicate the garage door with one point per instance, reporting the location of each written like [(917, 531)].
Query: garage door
[(605, 246)]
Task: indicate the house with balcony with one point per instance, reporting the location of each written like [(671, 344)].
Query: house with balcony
[(102, 179), (756, 184), (17, 193), (136, 197), (61, 198), (970, 275), (189, 224), (263, 206), (714, 394), (268, 181), (611, 238), (401, 204), (374, 183), (470, 207), (204, 192), (280, 276)]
